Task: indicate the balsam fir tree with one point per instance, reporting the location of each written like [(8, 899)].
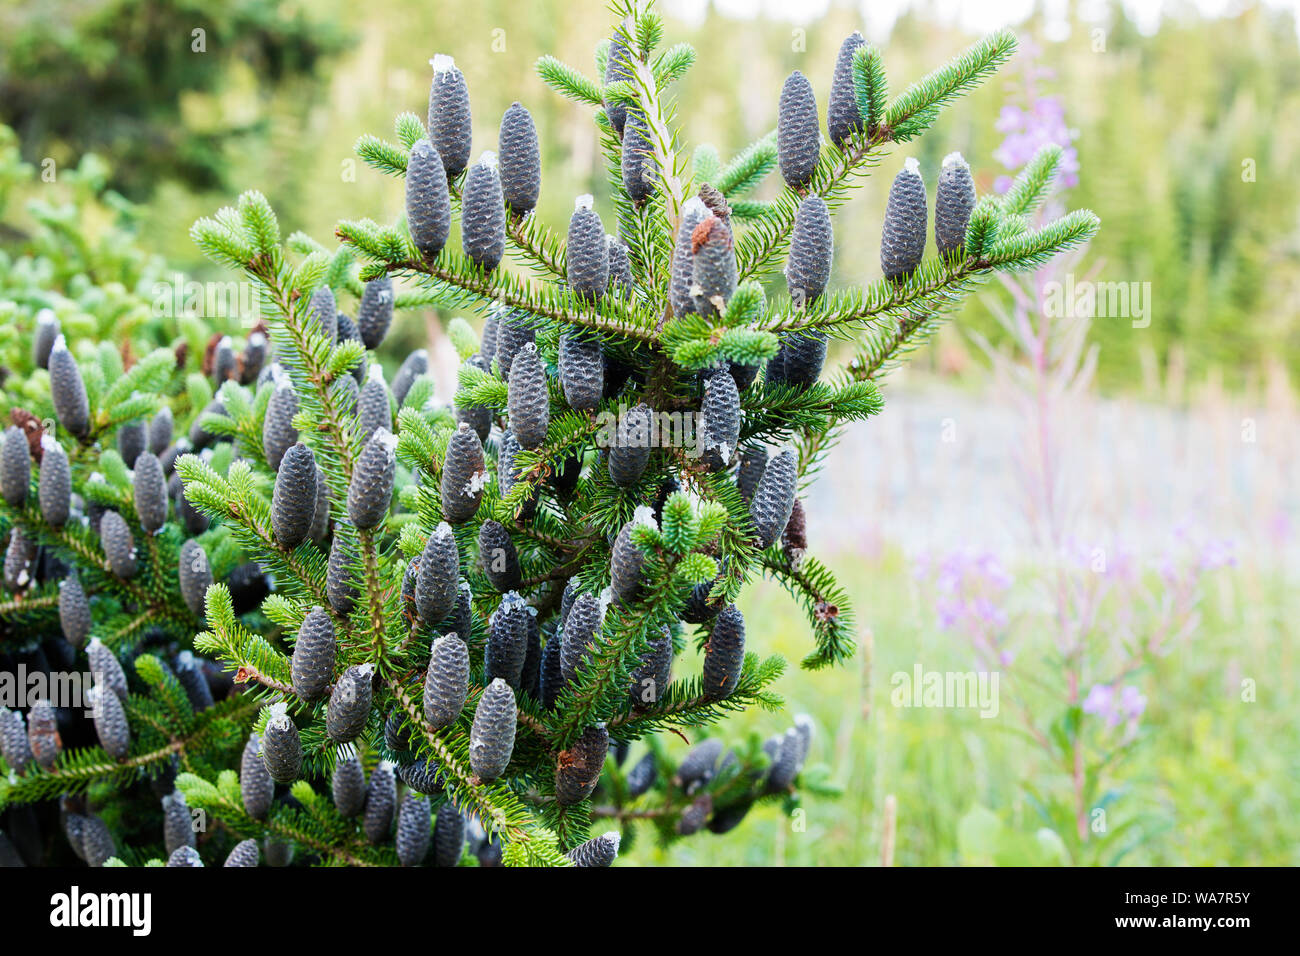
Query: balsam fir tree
[(447, 625)]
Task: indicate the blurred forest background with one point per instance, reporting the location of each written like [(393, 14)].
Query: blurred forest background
[(1184, 145), (1181, 454)]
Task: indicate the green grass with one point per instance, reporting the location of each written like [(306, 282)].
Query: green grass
[(1212, 779)]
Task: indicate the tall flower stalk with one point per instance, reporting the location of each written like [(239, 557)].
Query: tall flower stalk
[(1107, 623)]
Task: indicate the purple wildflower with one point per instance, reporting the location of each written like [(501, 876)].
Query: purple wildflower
[(1035, 121), (1217, 554), (1129, 704), (1099, 700), (970, 587), (1132, 703)]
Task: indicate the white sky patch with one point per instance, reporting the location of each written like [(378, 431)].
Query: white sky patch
[(879, 16)]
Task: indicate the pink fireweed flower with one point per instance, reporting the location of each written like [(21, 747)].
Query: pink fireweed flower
[(1099, 700), (1102, 701), (1033, 120), (1217, 554), (1132, 702), (970, 588)]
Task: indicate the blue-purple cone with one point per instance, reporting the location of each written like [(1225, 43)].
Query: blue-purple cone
[(520, 159), (902, 241), (798, 140), (843, 118), (483, 215), (428, 203), (450, 122), (640, 167), (953, 203), (587, 252), (375, 314)]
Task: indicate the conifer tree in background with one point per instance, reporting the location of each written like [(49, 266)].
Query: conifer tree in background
[(447, 625)]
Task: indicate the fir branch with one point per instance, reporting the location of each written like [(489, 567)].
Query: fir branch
[(774, 413), (382, 155), (825, 602), (76, 770), (748, 168), (409, 129), (1029, 188), (81, 544), (869, 85), (329, 836), (457, 280), (881, 351), (251, 655), (568, 82), (249, 519), (685, 704), (673, 64), (664, 137), (1030, 250), (28, 603), (604, 675), (537, 247), (905, 118), (768, 238), (377, 595), (934, 285), (915, 108), (307, 354), (496, 806)]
